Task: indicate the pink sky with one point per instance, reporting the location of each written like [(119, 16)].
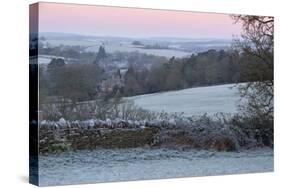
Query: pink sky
[(133, 22)]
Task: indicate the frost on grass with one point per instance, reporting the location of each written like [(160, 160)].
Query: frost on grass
[(192, 101), (105, 165)]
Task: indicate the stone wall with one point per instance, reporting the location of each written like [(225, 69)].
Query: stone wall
[(89, 135), (89, 138)]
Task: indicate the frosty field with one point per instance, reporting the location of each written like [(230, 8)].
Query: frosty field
[(194, 101), (135, 164)]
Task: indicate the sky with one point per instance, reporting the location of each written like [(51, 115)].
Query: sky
[(133, 22)]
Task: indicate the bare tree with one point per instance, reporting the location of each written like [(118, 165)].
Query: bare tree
[(256, 47)]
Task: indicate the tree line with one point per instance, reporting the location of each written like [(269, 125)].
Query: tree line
[(204, 69)]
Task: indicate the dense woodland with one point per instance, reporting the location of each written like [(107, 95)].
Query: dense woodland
[(204, 69)]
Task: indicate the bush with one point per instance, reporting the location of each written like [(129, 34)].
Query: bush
[(99, 109)]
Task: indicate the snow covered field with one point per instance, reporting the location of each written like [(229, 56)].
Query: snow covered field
[(194, 101), (135, 164)]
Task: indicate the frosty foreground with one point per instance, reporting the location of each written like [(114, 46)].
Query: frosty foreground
[(138, 164), (165, 145)]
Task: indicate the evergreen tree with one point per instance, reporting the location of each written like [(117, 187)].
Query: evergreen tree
[(101, 54)]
